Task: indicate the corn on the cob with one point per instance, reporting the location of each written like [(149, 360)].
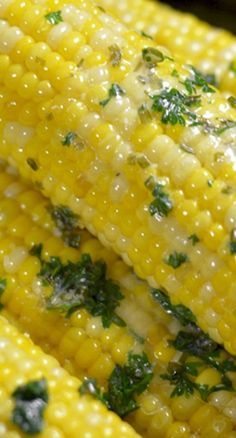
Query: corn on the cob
[(211, 50), (80, 342), (157, 185), (51, 406)]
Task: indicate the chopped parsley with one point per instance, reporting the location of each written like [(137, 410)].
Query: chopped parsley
[(232, 243), (232, 67), (180, 375), (175, 73), (184, 315), (194, 239), (81, 285), (144, 114), (210, 182), (3, 285), (30, 403), (162, 204), (32, 163), (176, 259), (115, 57), (198, 80), (232, 101), (54, 17), (114, 91), (124, 384), (69, 139), (194, 342), (146, 35), (217, 129), (152, 56), (174, 106), (141, 160), (67, 222)]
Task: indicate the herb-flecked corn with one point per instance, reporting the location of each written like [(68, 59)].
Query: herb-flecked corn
[(100, 147), (210, 49), (80, 342), (67, 414)]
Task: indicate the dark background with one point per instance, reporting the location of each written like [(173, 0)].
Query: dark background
[(217, 12)]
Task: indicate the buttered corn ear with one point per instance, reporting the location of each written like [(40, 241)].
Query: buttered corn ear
[(211, 50), (39, 398), (80, 341), (107, 124)]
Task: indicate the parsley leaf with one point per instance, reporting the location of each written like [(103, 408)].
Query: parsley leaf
[(162, 204), (69, 138), (115, 57), (124, 383), (194, 239), (3, 285), (232, 67), (198, 80), (30, 403), (67, 222), (179, 311), (174, 106), (32, 163), (89, 386), (144, 34), (54, 17), (81, 285), (178, 376), (152, 56), (232, 243), (144, 113), (114, 91), (232, 101), (176, 259)]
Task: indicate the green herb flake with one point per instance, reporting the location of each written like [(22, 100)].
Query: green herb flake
[(223, 126), (115, 55), (194, 239), (232, 101), (32, 163), (227, 190), (114, 91), (54, 17), (3, 285), (89, 386), (144, 114), (69, 139), (180, 375), (179, 311), (232, 243), (36, 250), (152, 56), (162, 204), (30, 403), (174, 106), (101, 9), (232, 67), (198, 80), (177, 375), (176, 259), (210, 182), (67, 222), (81, 285), (175, 73), (146, 35), (124, 384)]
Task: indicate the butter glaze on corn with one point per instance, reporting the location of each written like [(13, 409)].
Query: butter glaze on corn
[(98, 182), (195, 42), (66, 412), (80, 343)]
